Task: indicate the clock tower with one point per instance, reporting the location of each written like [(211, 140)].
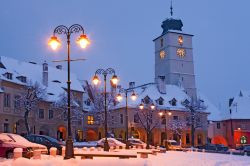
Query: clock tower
[(174, 56)]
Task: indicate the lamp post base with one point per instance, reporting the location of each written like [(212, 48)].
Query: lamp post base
[(127, 144), (106, 145), (69, 151)]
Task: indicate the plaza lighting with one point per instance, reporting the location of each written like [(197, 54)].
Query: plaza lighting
[(54, 43), (114, 81)]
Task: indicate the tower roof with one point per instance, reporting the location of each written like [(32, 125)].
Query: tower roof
[(171, 23)]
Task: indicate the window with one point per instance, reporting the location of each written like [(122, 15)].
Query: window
[(90, 120), (17, 103), (162, 42), (6, 127), (218, 125), (41, 114), (199, 139), (51, 114), (6, 100), (8, 75), (136, 118), (187, 138), (173, 102), (160, 101), (175, 117), (121, 118), (22, 79), (243, 139)]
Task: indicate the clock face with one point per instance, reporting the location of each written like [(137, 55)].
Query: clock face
[(181, 52), (162, 54)]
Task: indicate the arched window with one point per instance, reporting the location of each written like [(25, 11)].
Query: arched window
[(243, 139)]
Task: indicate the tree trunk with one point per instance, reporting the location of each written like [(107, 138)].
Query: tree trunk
[(26, 114), (192, 134), (148, 139)]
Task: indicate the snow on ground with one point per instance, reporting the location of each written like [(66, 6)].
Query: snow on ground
[(172, 158)]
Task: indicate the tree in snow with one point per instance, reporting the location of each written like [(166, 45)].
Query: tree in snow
[(97, 97), (148, 118), (176, 126), (194, 117), (32, 94)]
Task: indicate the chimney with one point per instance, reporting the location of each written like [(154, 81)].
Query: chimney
[(59, 67), (161, 84), (45, 74), (131, 85)]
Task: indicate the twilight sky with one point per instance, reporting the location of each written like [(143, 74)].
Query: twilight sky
[(122, 32)]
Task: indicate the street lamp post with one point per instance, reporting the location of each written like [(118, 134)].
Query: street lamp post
[(165, 114), (114, 81), (54, 43), (133, 97), (152, 107)]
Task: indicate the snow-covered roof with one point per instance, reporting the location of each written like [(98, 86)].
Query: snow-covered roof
[(151, 90), (57, 78), (215, 113), (239, 107)]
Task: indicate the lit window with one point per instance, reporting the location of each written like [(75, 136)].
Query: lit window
[(90, 120), (180, 40), (243, 140)]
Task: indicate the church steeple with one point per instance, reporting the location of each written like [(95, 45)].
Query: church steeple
[(171, 9), (171, 23)]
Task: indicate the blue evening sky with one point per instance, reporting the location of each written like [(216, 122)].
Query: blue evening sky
[(122, 31)]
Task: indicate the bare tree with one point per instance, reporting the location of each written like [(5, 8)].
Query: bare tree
[(194, 117), (148, 118), (177, 126), (61, 106), (33, 93), (97, 97)]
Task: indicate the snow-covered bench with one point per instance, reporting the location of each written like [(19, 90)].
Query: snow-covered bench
[(90, 155)]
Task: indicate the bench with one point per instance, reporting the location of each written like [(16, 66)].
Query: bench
[(144, 154), (108, 154)]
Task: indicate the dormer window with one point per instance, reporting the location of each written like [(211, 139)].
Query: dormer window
[(146, 100), (173, 102), (160, 101), (87, 102), (22, 79), (8, 75)]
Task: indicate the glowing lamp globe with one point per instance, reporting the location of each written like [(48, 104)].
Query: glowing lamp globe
[(133, 96), (152, 106), (114, 80), (141, 106), (119, 97), (95, 80), (54, 43), (83, 41)]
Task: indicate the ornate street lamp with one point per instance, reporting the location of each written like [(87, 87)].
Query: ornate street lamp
[(83, 41), (114, 80), (165, 114), (152, 107), (119, 98)]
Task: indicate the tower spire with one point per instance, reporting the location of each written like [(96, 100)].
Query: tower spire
[(171, 9)]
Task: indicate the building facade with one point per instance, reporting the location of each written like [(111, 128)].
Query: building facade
[(48, 116), (233, 126)]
